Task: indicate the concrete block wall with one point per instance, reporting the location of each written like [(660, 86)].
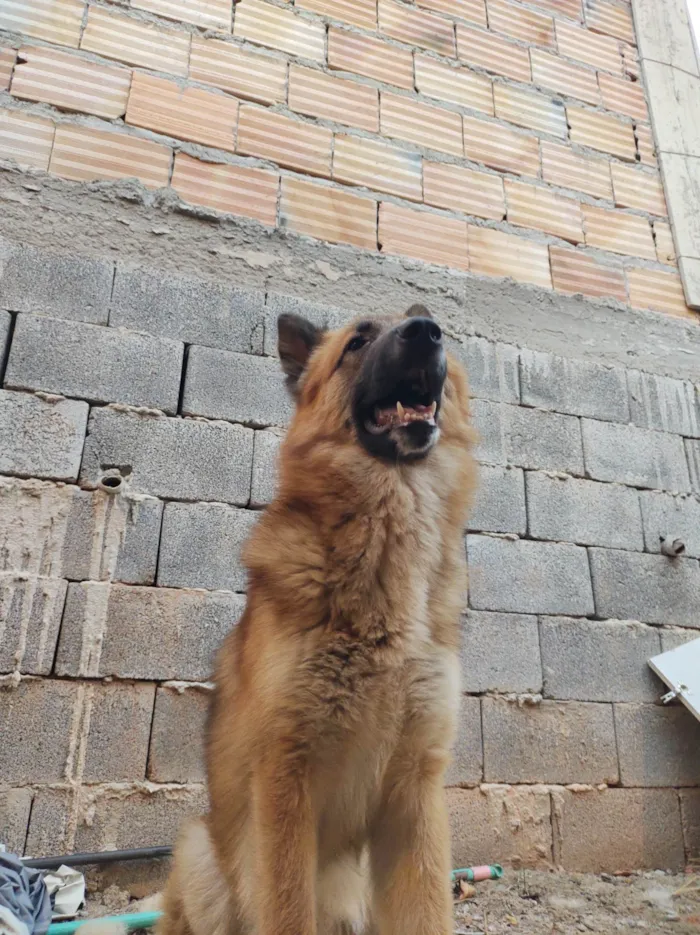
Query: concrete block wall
[(140, 417)]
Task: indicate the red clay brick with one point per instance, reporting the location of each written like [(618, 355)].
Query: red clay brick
[(185, 113), (26, 139), (454, 83), (7, 63), (574, 271), (585, 46), (70, 82), (551, 71), (474, 11), (602, 132), (316, 94), (56, 21), (290, 143), (277, 28), (457, 188), (637, 189), (359, 161), (539, 208), (495, 54), (659, 291), (362, 13), (415, 27), (562, 166), (500, 148), (618, 232), (610, 19), (520, 23), (415, 122), (328, 214), (624, 96), (495, 253), (371, 57), (84, 154), (232, 189), (246, 74), (210, 14), (130, 40), (423, 236)]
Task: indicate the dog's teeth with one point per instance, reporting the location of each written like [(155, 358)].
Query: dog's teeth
[(433, 408), (400, 411)]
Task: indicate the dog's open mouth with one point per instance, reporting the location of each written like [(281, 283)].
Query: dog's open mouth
[(407, 406), (397, 415)]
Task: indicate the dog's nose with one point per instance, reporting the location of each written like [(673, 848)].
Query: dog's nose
[(421, 331)]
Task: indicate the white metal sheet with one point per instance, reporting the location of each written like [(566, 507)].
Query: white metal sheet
[(680, 670)]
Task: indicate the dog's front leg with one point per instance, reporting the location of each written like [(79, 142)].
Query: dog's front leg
[(410, 854), (285, 849)]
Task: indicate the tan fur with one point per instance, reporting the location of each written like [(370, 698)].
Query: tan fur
[(337, 692)]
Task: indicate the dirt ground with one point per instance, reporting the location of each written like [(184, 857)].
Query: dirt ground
[(529, 902)]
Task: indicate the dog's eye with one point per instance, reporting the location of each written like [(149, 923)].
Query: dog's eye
[(354, 344)]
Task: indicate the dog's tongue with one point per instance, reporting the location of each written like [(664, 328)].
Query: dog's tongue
[(402, 415)]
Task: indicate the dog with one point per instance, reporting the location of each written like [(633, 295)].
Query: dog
[(337, 692)]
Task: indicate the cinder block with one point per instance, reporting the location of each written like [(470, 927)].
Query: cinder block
[(5, 319), (514, 823), (179, 459), (528, 577), (236, 387), (196, 311), (61, 531), (114, 818), (598, 660), (528, 438), (95, 363), (626, 454), (610, 830), (40, 438), (119, 731), (73, 287), (692, 453), (15, 807), (499, 505), (573, 386), (500, 653), (201, 546), (30, 612), (50, 826), (664, 404), (177, 738), (467, 766), (658, 746), (673, 517), (323, 316), (671, 637), (143, 633), (265, 455), (33, 713), (690, 818), (583, 511), (650, 588), (554, 742), (492, 368)]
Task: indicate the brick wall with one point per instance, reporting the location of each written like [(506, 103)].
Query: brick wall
[(504, 138), (137, 348)]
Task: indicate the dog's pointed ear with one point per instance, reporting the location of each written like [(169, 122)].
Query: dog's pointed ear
[(296, 340), (418, 311)]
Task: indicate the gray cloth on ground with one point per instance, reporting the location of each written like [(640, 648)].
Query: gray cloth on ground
[(24, 893)]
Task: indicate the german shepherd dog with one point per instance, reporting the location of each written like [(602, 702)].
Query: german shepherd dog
[(337, 693)]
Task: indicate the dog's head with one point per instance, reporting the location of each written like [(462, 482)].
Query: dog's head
[(382, 382)]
